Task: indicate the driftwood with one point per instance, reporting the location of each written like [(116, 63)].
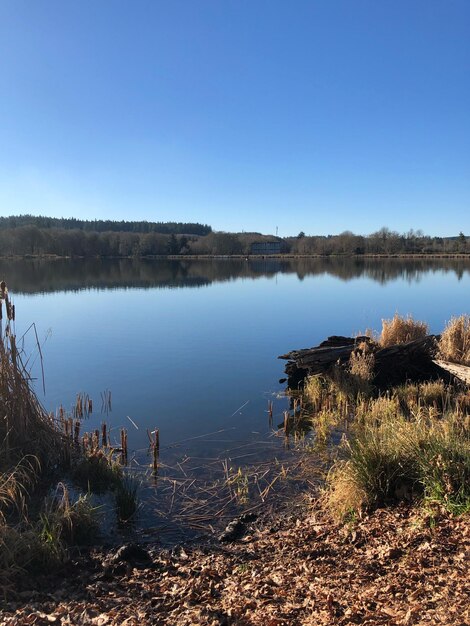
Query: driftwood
[(413, 361)]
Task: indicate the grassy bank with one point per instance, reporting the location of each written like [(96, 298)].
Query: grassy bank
[(410, 443)]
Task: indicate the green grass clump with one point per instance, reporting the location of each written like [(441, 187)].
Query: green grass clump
[(28, 547), (62, 523), (127, 498), (444, 464), (67, 522), (397, 459), (97, 471)]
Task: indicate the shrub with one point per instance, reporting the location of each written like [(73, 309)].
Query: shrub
[(454, 344), (401, 330)]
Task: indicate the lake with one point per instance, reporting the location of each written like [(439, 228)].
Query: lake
[(190, 347)]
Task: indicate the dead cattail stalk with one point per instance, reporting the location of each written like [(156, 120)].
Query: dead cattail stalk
[(95, 440), (104, 435), (70, 428), (156, 450), (76, 437), (124, 446)]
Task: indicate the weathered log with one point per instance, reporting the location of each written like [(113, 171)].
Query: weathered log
[(412, 361), (319, 359)]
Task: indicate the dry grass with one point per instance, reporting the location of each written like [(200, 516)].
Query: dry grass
[(14, 487), (348, 384), (454, 344), (361, 370), (314, 391), (377, 411), (323, 423), (25, 426), (344, 495), (433, 393), (401, 330)]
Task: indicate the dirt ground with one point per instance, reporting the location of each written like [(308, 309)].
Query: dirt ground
[(394, 567)]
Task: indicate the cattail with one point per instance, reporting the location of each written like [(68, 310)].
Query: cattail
[(124, 445), (77, 432), (104, 435)]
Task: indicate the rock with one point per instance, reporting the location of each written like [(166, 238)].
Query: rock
[(131, 553), (237, 527), (233, 531)]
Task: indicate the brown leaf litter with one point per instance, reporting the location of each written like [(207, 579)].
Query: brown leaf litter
[(393, 567)]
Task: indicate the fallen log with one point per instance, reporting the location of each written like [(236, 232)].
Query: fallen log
[(317, 360), (400, 363)]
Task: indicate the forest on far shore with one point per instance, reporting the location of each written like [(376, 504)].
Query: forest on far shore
[(40, 236)]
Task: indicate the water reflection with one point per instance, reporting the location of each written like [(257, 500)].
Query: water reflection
[(32, 276)]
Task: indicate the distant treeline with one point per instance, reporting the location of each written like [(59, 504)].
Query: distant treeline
[(102, 226), (383, 241), (20, 238)]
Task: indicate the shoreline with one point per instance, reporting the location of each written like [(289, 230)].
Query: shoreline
[(248, 257)]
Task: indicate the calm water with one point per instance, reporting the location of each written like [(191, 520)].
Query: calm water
[(191, 347)]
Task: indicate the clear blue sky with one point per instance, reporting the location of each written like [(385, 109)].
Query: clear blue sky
[(316, 115)]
